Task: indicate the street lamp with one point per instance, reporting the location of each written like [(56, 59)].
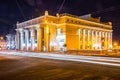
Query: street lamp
[(115, 44), (1, 38)]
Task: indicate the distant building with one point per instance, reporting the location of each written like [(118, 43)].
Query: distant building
[(3, 43), (52, 33)]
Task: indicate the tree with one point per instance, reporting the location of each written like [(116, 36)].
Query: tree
[(11, 41)]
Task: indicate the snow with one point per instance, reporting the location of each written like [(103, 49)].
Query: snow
[(89, 59)]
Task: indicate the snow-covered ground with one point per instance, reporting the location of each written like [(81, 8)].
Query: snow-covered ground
[(89, 59)]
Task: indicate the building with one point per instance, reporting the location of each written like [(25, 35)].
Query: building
[(53, 33), (3, 43)]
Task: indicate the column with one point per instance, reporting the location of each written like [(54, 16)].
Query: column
[(39, 39), (92, 40), (84, 38), (106, 40), (29, 39), (21, 40), (88, 39), (47, 38), (96, 41), (79, 32), (32, 38), (103, 40), (111, 39), (17, 40), (26, 39), (99, 40), (35, 38), (81, 39)]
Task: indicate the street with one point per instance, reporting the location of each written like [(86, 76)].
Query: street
[(14, 67)]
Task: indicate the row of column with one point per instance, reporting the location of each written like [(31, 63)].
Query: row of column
[(92, 39), (27, 39)]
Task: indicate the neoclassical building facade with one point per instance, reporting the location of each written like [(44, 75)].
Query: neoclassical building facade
[(53, 33)]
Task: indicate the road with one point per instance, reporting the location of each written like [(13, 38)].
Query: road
[(31, 68)]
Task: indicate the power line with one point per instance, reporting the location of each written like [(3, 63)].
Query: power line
[(20, 9), (107, 10), (6, 22), (61, 6)]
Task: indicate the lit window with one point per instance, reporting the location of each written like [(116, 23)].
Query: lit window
[(59, 31)]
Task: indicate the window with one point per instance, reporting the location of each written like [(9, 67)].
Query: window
[(59, 31)]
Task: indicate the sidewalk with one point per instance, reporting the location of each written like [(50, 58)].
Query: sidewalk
[(78, 58)]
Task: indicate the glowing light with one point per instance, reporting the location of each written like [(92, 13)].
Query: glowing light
[(79, 31), (115, 44), (1, 38), (23, 44), (61, 39), (46, 22), (29, 45), (59, 31), (53, 44), (87, 59), (111, 46), (46, 12), (47, 30)]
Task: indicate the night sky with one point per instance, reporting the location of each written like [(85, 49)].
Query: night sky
[(12, 11)]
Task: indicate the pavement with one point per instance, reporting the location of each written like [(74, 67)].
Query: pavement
[(110, 61), (50, 66)]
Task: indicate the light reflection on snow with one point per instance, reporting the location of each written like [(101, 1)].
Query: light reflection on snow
[(88, 59)]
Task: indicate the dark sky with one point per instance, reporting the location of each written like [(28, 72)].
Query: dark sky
[(12, 11)]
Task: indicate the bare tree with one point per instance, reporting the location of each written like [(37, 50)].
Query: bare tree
[(11, 41)]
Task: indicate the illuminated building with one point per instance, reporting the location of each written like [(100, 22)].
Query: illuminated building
[(51, 33)]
